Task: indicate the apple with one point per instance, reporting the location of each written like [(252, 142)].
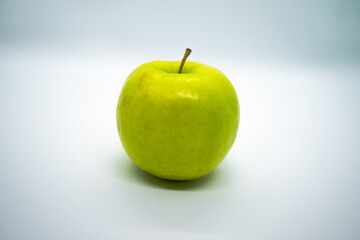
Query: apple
[(177, 121)]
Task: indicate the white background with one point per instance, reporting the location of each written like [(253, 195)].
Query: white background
[(293, 171)]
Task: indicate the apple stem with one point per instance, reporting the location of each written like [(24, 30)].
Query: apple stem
[(187, 53)]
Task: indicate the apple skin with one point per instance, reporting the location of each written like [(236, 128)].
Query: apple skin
[(177, 126)]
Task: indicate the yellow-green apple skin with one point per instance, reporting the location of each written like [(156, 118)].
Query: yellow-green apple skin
[(177, 126)]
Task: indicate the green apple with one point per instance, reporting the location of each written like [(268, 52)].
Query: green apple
[(177, 124)]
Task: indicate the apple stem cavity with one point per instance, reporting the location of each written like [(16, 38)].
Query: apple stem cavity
[(187, 53)]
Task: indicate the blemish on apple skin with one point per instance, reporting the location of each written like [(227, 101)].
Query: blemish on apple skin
[(124, 101), (141, 80), (149, 127)]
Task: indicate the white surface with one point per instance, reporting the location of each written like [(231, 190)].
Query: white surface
[(293, 172)]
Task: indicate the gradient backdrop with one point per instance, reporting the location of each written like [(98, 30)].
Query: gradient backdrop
[(293, 172)]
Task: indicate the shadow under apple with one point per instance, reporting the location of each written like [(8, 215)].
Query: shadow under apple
[(124, 167)]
